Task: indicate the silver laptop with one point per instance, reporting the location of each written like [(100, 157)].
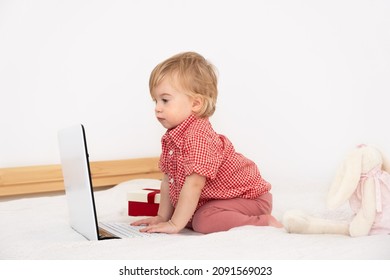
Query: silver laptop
[(79, 190)]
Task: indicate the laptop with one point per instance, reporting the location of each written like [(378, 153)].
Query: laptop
[(79, 190)]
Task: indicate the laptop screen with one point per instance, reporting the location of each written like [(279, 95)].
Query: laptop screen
[(77, 180)]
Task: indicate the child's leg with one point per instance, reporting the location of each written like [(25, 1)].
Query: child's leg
[(222, 215)]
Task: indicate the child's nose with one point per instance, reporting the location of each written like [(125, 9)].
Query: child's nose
[(157, 108)]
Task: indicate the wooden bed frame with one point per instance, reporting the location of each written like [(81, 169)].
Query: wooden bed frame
[(30, 180)]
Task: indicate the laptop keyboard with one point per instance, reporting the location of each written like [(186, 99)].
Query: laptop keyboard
[(124, 230)]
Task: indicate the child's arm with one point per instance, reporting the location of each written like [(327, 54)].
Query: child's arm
[(188, 200), (165, 208)]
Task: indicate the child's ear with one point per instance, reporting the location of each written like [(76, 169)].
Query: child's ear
[(197, 104)]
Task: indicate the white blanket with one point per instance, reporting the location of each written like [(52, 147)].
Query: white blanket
[(38, 228)]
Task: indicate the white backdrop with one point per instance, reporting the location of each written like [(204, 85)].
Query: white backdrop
[(301, 82)]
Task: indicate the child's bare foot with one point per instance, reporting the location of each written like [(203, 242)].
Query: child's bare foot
[(272, 221)]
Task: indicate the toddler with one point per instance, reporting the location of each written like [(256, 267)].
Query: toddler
[(207, 186)]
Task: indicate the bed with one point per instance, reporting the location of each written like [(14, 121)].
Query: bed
[(34, 223)]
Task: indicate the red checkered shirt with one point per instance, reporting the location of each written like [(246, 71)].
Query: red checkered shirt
[(194, 147)]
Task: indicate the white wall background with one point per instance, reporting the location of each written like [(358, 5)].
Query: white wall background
[(301, 82)]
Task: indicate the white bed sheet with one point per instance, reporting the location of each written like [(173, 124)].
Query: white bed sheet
[(38, 228)]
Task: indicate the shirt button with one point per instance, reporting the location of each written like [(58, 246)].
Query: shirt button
[(170, 152), (171, 181)]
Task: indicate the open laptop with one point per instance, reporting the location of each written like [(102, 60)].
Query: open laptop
[(79, 190)]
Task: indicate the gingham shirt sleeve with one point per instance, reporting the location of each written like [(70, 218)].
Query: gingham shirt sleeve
[(202, 154)]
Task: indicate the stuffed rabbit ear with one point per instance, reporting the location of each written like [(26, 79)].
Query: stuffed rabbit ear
[(346, 180)]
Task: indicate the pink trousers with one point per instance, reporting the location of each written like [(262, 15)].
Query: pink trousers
[(222, 215)]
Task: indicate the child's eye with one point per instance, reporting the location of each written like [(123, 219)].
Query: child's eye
[(164, 100)]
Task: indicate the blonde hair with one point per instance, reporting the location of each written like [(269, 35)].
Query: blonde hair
[(194, 74)]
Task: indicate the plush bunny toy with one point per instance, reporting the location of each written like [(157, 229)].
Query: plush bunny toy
[(362, 180)]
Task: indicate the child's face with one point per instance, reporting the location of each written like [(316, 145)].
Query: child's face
[(173, 105)]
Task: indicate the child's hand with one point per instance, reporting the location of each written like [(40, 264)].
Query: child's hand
[(149, 221), (164, 227)]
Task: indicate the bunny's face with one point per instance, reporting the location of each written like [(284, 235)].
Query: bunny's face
[(371, 158)]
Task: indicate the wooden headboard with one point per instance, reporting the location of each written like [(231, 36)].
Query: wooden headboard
[(48, 178)]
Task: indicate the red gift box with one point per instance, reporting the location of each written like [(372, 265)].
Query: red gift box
[(143, 202)]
